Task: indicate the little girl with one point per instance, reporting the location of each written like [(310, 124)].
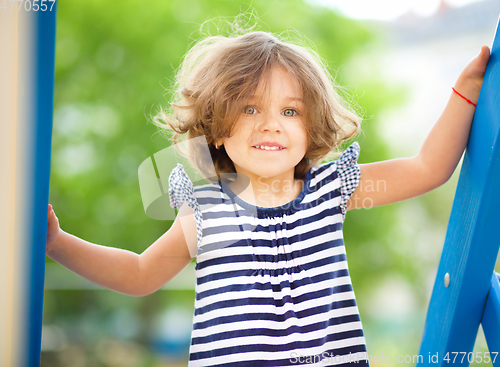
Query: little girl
[(273, 287)]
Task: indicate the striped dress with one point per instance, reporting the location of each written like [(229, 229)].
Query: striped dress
[(273, 286)]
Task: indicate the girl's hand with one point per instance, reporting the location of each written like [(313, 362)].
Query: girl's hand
[(53, 229), (471, 79)]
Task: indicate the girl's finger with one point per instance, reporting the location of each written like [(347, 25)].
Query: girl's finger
[(477, 66), (484, 54)]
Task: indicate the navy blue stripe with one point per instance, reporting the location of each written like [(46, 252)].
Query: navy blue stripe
[(242, 212), (245, 272), (214, 215), (205, 248), (211, 187), (330, 227), (214, 201), (221, 218), (322, 168), (318, 263), (214, 186), (291, 224), (252, 257), (220, 227), (285, 362), (285, 347), (235, 242), (327, 196), (268, 286), (273, 316), (275, 333), (292, 361), (271, 301), (252, 272), (324, 359), (207, 231)]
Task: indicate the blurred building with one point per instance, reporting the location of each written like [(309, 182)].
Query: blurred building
[(427, 54)]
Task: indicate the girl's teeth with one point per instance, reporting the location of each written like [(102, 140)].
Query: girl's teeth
[(267, 148)]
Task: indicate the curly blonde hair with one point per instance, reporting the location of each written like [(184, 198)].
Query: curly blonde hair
[(220, 74)]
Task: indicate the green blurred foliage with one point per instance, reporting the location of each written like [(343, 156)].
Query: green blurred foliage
[(115, 62)]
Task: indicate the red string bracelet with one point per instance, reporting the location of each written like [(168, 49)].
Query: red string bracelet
[(468, 100)]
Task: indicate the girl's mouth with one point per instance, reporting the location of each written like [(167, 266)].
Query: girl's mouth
[(267, 147)]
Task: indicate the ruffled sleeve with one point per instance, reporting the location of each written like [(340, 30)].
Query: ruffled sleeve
[(349, 174), (181, 189)]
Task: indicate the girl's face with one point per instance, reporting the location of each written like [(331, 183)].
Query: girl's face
[(269, 138)]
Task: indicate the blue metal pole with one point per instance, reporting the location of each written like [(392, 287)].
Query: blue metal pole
[(43, 110)]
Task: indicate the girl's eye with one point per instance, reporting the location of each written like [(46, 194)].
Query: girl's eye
[(249, 110), (289, 112)]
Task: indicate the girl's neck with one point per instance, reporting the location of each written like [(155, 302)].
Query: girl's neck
[(266, 192)]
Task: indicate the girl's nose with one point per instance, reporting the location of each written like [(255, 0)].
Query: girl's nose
[(271, 123)]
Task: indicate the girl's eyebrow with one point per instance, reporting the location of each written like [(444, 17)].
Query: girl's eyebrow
[(254, 98), (295, 99)]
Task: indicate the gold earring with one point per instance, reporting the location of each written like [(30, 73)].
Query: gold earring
[(217, 146)]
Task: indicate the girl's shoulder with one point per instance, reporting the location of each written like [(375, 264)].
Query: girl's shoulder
[(344, 174), (341, 166)]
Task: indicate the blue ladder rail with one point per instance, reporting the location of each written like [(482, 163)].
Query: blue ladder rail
[(491, 319), (472, 241)]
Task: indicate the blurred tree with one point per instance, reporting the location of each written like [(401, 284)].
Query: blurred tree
[(113, 63)]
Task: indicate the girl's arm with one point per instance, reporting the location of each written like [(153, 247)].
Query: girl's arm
[(121, 270), (395, 180)]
